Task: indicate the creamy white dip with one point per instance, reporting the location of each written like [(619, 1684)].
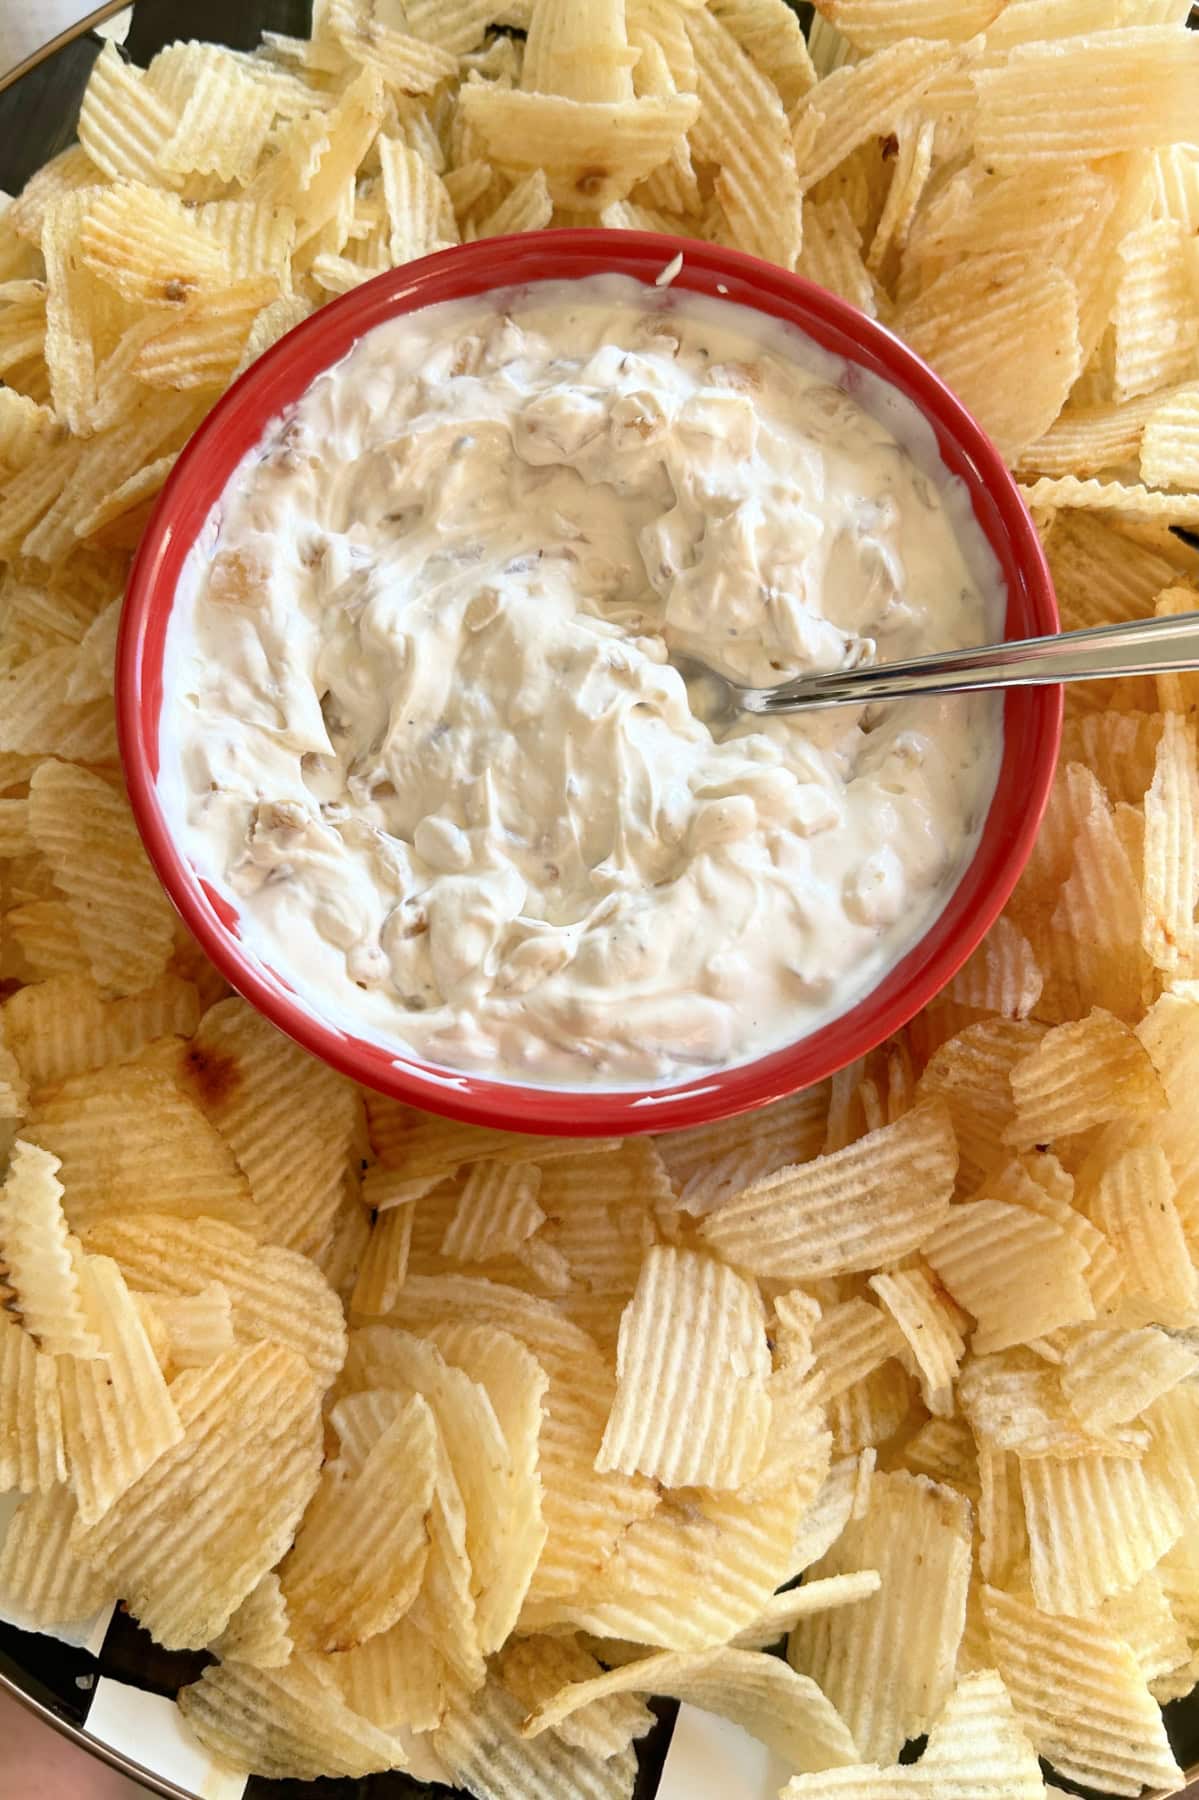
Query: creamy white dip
[(421, 728)]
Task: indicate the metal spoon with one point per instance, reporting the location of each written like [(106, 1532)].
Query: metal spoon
[(1101, 652)]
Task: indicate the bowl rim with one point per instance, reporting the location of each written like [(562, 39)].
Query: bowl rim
[(1032, 716)]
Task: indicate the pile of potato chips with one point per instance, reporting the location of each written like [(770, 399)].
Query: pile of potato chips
[(452, 1446)]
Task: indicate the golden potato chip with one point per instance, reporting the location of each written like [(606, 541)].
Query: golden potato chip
[(146, 244), (1143, 1617), (408, 64), (130, 1142), (832, 254), (705, 1162), (1089, 440), (118, 1416), (384, 1263), (781, 1708), (692, 1407), (32, 1456), (1014, 1401), (515, 1383), (84, 829), (274, 1293), (26, 430), (419, 210), (64, 1026), (579, 51), (871, 1411), (872, 24), (71, 169), (259, 1632), (771, 36), (356, 1566), (781, 1614), (1001, 976), (288, 1119), (1128, 497), (480, 1743), (35, 719), (1002, 1535), (223, 121), (984, 1252), (848, 1342), (930, 1328), (1155, 329), (942, 1449), (123, 126), (592, 152), (42, 1579), (40, 1268), (526, 208), (1095, 1525), (1111, 1375), (535, 1669), (188, 1540), (396, 1679), (1080, 1696), (1133, 1204), (600, 1212), (1170, 441), (861, 101), (1038, 1182), (444, 1609), (494, 1489), (969, 1075), (286, 1723), (1031, 322), (202, 346), (872, 1202), (496, 1211), (917, 1535), (1030, 109), (1079, 1075), (742, 129), (1171, 876), (93, 675), (198, 1327)]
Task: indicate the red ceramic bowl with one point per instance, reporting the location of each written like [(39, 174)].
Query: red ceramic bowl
[(1032, 717)]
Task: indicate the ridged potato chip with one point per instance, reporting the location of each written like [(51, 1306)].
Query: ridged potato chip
[(118, 1416), (275, 1294), (288, 1119), (197, 1327), (930, 1328), (1110, 1376), (984, 1253), (848, 1342), (39, 1258), (760, 1693), (130, 1142), (384, 1262), (1133, 1203), (707, 1162), (123, 126), (1095, 1524), (497, 1211), (872, 1202), (259, 1632), (592, 152), (1079, 1075), (147, 245), (1002, 1534), (356, 1567), (742, 129), (536, 1669), (977, 1744), (43, 1581), (32, 1453), (887, 1664), (860, 101), (1154, 324), (1080, 1696), (83, 827), (1170, 442), (396, 1679), (194, 1534), (692, 1405), (832, 254), (223, 120), (286, 1724), (480, 1744)]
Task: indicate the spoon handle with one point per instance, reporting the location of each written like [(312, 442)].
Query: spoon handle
[(1138, 647)]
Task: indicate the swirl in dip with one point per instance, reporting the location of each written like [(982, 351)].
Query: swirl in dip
[(423, 732)]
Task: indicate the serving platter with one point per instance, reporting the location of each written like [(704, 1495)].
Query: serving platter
[(111, 1689)]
